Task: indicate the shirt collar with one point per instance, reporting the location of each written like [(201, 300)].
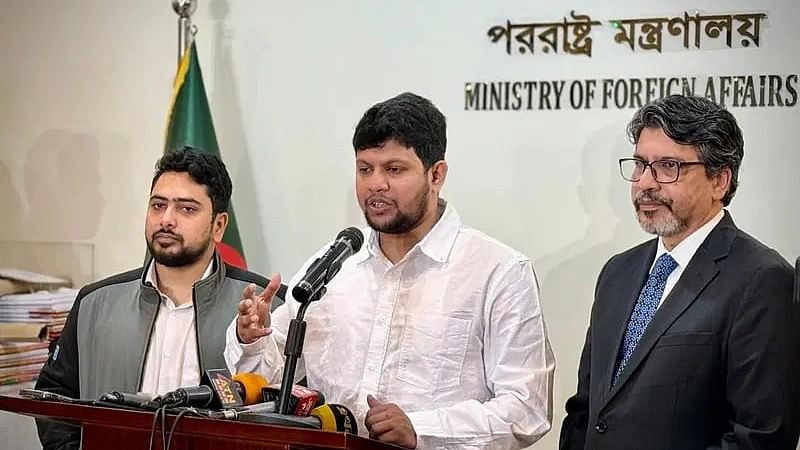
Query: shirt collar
[(437, 244), (151, 277), (685, 250)]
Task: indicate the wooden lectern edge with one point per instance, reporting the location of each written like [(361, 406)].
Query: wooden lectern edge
[(197, 427)]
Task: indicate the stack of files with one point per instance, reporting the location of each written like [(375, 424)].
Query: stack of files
[(36, 316), (29, 323), (21, 362)]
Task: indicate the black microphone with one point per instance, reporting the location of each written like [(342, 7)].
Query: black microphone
[(217, 391), (347, 243), (138, 400)]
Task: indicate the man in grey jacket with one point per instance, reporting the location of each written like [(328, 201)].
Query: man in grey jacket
[(155, 328)]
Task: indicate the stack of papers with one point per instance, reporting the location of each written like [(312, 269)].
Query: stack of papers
[(21, 362), (23, 317), (29, 323)]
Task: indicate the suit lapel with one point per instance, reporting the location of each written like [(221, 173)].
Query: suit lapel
[(701, 270), (616, 319)]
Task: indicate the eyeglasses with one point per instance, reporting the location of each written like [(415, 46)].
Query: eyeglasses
[(663, 170)]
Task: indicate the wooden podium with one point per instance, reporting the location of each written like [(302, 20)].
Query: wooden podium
[(106, 428)]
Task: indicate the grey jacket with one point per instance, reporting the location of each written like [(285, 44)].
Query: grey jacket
[(105, 340)]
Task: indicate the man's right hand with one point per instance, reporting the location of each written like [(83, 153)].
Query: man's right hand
[(254, 317)]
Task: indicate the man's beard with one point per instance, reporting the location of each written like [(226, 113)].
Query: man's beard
[(186, 256), (402, 222), (670, 225)]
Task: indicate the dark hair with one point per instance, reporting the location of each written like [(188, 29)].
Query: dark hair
[(409, 119), (700, 122), (204, 168)]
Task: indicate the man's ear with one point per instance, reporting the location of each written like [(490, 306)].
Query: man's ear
[(722, 183), (438, 175), (218, 226)]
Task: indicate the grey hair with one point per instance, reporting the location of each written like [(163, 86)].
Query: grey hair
[(699, 122)]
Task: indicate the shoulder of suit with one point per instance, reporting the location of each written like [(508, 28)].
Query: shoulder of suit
[(634, 253), (754, 252), (245, 276), (114, 280)]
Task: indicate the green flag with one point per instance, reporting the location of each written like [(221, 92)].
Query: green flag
[(190, 124)]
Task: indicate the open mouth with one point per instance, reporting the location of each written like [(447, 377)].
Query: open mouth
[(379, 205)]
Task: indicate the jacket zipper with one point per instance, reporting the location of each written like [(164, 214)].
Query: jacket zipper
[(149, 338), (197, 332)]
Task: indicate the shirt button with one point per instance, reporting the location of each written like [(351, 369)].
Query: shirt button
[(601, 427)]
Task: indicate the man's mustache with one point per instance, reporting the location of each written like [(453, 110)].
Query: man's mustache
[(166, 233), (651, 197)]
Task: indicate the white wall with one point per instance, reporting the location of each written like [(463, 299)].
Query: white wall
[(84, 89)]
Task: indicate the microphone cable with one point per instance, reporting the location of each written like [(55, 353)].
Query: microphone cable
[(184, 412), (162, 413)]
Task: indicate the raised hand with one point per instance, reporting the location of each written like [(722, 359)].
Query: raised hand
[(253, 321)]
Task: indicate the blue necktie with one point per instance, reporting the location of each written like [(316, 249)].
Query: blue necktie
[(645, 309)]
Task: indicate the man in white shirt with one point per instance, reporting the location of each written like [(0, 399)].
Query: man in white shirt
[(693, 340), (432, 333), (155, 328)]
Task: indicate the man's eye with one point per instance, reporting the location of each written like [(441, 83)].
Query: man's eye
[(669, 164)]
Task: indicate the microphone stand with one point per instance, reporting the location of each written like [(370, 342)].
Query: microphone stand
[(293, 350)]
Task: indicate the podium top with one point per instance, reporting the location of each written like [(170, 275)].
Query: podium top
[(235, 434)]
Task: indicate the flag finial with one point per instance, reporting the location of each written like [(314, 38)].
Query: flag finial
[(184, 8), (186, 31)]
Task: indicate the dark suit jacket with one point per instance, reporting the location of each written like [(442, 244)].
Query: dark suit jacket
[(717, 367)]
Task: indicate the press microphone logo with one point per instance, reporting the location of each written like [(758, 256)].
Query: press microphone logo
[(223, 392), (347, 424), (224, 388)]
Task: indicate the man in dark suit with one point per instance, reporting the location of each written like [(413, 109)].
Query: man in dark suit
[(693, 339)]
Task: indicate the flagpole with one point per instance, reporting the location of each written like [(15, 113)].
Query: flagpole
[(184, 9)]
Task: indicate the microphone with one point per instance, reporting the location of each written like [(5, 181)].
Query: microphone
[(257, 394), (217, 391), (301, 399), (311, 287), (131, 400), (333, 417), (348, 242), (250, 386), (328, 417)]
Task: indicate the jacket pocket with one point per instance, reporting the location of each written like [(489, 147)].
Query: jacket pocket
[(432, 351), (685, 339)]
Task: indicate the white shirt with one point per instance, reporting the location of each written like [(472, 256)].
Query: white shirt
[(684, 252), (172, 360), (453, 334)]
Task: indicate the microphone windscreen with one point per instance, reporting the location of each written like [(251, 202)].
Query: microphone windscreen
[(354, 235), (333, 417), (251, 385)]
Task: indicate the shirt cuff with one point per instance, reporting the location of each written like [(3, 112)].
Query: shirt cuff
[(254, 348)]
